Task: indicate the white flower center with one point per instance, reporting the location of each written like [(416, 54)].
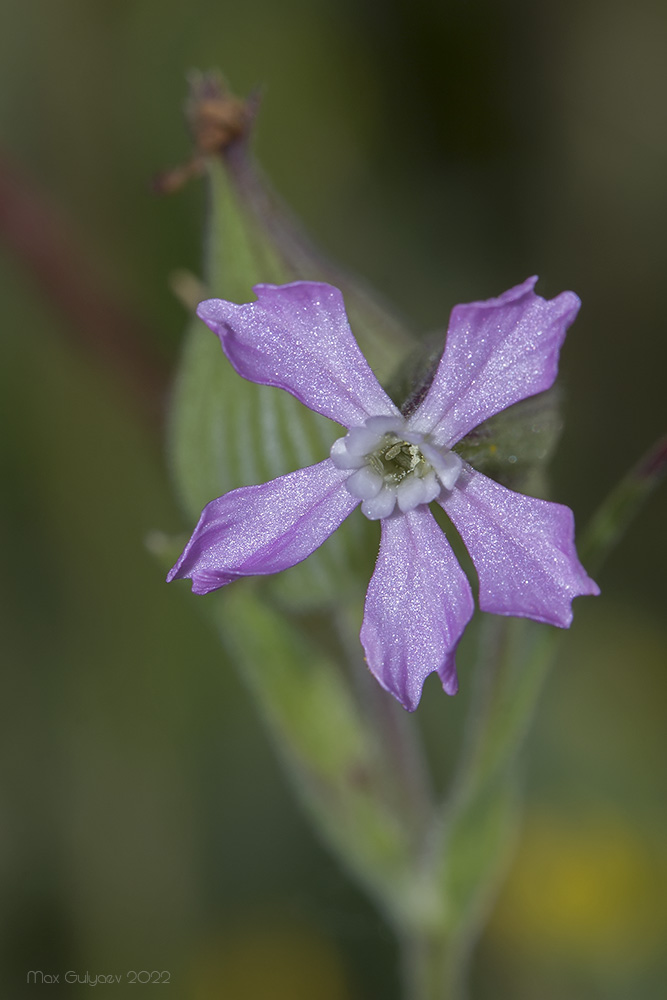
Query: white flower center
[(390, 464)]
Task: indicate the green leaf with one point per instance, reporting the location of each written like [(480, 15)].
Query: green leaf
[(330, 750), (288, 254)]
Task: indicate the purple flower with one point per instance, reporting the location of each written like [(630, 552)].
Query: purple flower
[(419, 600)]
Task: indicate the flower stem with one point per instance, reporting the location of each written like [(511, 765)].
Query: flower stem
[(399, 741), (470, 844), (433, 967), (480, 814), (619, 509)]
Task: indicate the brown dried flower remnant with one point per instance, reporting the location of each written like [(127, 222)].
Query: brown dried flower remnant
[(216, 119)]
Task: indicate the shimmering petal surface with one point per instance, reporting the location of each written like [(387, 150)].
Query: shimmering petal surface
[(418, 603), (264, 529), (497, 352), (297, 337), (522, 548)]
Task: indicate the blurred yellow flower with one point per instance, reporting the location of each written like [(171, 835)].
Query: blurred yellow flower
[(269, 959), (586, 891)]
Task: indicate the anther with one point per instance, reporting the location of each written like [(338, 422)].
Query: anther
[(392, 452)]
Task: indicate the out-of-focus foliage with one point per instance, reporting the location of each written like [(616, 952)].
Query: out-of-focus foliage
[(446, 151)]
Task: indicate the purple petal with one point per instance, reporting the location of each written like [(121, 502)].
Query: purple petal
[(522, 548), (264, 529), (497, 352), (418, 603), (297, 337)]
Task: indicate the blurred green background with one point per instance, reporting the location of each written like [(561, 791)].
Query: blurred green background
[(446, 151)]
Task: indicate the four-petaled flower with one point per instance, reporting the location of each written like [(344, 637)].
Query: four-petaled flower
[(419, 600)]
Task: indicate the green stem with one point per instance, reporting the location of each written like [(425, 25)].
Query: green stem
[(480, 816), (432, 968), (478, 822), (517, 655), (409, 786), (616, 513)]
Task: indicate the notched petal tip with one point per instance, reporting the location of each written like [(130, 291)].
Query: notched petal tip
[(448, 676), (191, 566), (201, 584), (297, 289), (497, 353), (407, 698), (511, 295), (417, 606), (523, 550), (526, 289), (297, 337)]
